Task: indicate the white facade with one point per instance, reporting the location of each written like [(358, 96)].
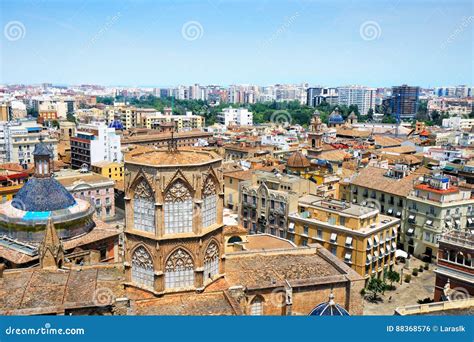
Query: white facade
[(18, 140), (467, 139), (235, 116), (363, 97), (281, 141), (104, 142), (457, 122)]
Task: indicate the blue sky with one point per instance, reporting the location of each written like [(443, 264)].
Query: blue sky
[(141, 42)]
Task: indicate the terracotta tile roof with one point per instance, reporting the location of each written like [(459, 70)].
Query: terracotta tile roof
[(101, 232), (230, 230), (15, 256), (240, 175), (194, 304), (399, 149), (386, 141), (334, 155), (88, 178), (298, 160), (153, 135), (266, 241), (11, 167), (54, 290), (374, 178), (352, 133), (408, 159), (263, 270)]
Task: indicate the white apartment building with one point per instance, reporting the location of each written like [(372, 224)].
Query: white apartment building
[(94, 143), (18, 109), (18, 140), (235, 116), (458, 122), (363, 97), (435, 206)]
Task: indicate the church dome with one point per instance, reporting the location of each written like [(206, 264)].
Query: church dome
[(43, 194), (329, 309), (298, 160), (336, 118), (43, 198)]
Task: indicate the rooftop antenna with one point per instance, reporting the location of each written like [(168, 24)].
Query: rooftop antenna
[(172, 143)]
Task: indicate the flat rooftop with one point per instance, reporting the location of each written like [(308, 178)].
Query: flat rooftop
[(340, 207)]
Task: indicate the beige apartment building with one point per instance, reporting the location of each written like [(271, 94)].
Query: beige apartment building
[(268, 198), (360, 236), (181, 122)]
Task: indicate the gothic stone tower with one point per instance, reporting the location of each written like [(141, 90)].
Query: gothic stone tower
[(174, 205)]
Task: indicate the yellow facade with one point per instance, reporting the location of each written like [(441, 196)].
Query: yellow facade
[(111, 170), (367, 243)]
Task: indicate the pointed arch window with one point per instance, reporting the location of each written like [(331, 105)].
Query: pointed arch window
[(209, 206), (256, 306), (179, 270), (211, 261), (178, 209), (144, 208), (142, 268)]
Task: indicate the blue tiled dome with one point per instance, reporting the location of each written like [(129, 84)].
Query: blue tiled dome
[(336, 118), (43, 194), (329, 309), (117, 124)]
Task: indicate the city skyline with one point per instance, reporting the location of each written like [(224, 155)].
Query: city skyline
[(146, 44)]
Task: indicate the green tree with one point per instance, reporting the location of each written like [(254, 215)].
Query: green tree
[(70, 117), (107, 100), (393, 277), (370, 115), (375, 286)]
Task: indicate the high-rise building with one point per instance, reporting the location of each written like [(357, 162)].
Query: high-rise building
[(362, 97), (404, 101), (317, 95)]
